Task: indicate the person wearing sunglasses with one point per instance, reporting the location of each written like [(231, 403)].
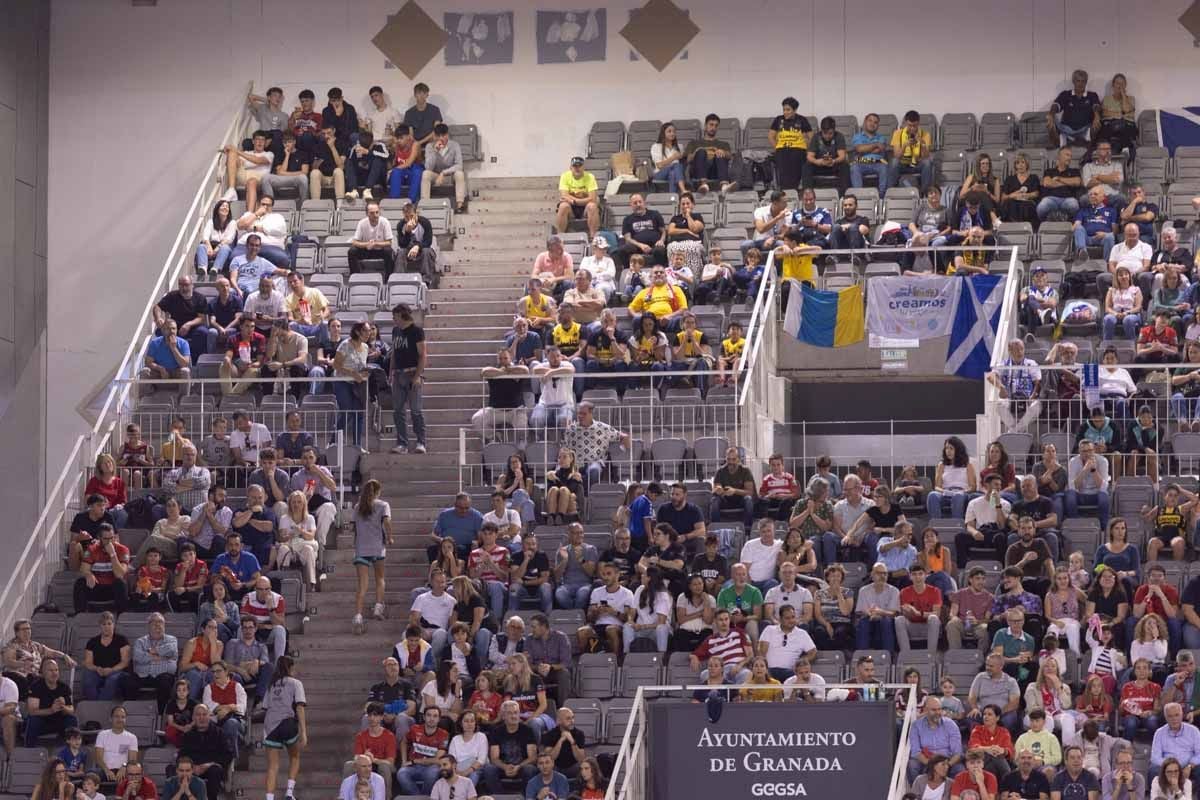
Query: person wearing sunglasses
[(450, 785)]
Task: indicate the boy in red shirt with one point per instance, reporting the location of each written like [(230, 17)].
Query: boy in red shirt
[(920, 604), (150, 593), (969, 782), (377, 742), (779, 490)]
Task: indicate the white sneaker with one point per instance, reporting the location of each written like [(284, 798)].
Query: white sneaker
[(357, 621), (378, 613), (352, 195), (230, 194), (400, 450), (367, 195), (419, 449)]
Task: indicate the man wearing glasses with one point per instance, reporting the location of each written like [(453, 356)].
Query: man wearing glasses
[(136, 785)]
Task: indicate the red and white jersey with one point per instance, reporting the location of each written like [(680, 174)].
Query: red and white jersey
[(499, 555), (261, 611), (779, 483), (97, 557), (731, 648)]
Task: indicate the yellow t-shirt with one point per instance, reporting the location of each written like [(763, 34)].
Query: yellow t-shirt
[(798, 267), (566, 339), (762, 695), (661, 301), (309, 309), (571, 185), (691, 349), (907, 147), (539, 310), (733, 349)]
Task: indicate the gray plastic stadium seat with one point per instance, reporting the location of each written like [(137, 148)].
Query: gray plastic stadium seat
[(1031, 130), (997, 129), (1055, 240), (900, 203), (687, 130), (642, 134), (1152, 165), (958, 131), (1019, 234), (949, 167), (640, 669), (605, 138), (467, 137), (25, 765), (755, 133), (847, 124), (596, 675), (589, 717)]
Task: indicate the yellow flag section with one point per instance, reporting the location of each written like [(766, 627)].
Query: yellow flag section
[(823, 318)]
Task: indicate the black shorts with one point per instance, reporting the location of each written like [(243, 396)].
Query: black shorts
[(578, 211), (285, 734), (1167, 535)]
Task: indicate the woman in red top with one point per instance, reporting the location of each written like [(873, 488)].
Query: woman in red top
[(108, 484), (591, 779), (1141, 702), (994, 741), (198, 656), (485, 702), (997, 462)]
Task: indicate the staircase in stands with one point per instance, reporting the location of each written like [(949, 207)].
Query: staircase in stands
[(504, 229)]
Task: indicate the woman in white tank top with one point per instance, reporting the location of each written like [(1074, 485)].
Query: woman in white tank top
[(954, 482)]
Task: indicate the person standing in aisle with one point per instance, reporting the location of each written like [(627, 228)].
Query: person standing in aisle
[(285, 725), (407, 373), (372, 534)]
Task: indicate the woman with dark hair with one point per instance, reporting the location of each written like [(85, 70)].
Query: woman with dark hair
[(284, 723), (372, 535), (667, 554), (648, 347), (470, 610), (999, 463), (177, 715), (1108, 600), (216, 242), (1169, 785), (351, 362), (685, 234), (694, 611), (833, 605), (1118, 118), (54, 784), (444, 692), (517, 486), (934, 784), (592, 785), (954, 480), (983, 181), (652, 612), (938, 562), (789, 135), (666, 156), (1019, 194)]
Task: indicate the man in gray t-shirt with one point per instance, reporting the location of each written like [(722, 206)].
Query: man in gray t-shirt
[(995, 687), (574, 569), (422, 116)]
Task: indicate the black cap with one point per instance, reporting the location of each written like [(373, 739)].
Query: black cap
[(577, 161)]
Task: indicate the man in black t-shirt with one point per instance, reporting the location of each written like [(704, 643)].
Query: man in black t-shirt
[(1170, 253), (190, 312), (684, 517), (85, 528), (624, 557), (1040, 509), (1075, 114), (328, 165), (566, 744), (291, 170), (506, 397), (407, 371), (605, 351), (397, 697), (827, 157), (852, 229), (51, 708), (512, 751), (711, 566), (1026, 781), (1033, 558), (643, 231), (530, 576), (709, 156), (1061, 185)]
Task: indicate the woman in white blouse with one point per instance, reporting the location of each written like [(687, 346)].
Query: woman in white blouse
[(667, 157), (351, 362), (470, 748), (216, 242), (652, 618), (297, 539), (1116, 385), (1122, 305), (166, 533)]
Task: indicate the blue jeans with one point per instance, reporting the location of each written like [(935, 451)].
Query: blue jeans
[(197, 680), (351, 413), (1082, 240), (518, 593), (1066, 133), (224, 253), (673, 175), (496, 592), (1048, 205), (569, 597), (1184, 409), (523, 504), (879, 169), (922, 168), (1130, 725), (405, 392), (745, 503), (373, 176), (261, 681), (36, 726), (1129, 324), (562, 415), (396, 180), (109, 687), (958, 504), (878, 633), (1100, 499), (276, 255), (417, 778)]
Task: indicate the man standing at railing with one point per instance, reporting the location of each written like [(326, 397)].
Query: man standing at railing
[(590, 439), (167, 356), (1019, 381), (406, 374)]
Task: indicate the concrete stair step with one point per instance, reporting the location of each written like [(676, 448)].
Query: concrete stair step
[(487, 313), (545, 204), (505, 217), (514, 184), (468, 293), (476, 361), (450, 343), (485, 334), (476, 280)]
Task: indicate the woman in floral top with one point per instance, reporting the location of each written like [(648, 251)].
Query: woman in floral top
[(814, 515)]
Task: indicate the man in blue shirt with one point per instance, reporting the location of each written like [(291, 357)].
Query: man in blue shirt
[(167, 356), (461, 523), (245, 270), (1094, 224), (813, 221), (547, 778), (932, 735), (1177, 739), (1141, 211), (238, 569), (869, 155)]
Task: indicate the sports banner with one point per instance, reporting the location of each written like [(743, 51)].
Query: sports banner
[(912, 307)]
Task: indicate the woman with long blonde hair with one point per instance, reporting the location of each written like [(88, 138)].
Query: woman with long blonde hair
[(297, 538)]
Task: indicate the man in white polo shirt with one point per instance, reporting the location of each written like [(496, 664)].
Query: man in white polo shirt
[(785, 644), (788, 593), (759, 555)]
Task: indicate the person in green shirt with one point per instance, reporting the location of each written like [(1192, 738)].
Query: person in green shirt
[(1016, 646), (1041, 743), (743, 601)]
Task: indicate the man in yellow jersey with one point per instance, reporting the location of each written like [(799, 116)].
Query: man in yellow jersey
[(912, 151), (577, 198), (536, 307), (567, 336), (666, 302), (691, 350)]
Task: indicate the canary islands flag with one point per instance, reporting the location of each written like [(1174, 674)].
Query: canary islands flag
[(825, 319)]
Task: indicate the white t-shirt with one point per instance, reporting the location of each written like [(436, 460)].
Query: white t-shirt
[(980, 511), (604, 272), (558, 391), (763, 214), (10, 694), (474, 752), (796, 598), (781, 656), (1131, 257), (431, 699), (117, 747), (289, 525), (649, 616), (618, 601), (273, 229), (815, 685), (380, 118), (380, 232), (270, 306), (761, 558), (511, 517), (251, 442), (257, 170), (435, 609)]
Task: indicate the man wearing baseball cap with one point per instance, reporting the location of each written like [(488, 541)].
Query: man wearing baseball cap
[(577, 192)]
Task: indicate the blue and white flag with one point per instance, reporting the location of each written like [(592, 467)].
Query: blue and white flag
[(973, 334), (1179, 127), (1091, 385)]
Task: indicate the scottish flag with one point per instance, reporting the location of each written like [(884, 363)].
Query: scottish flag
[(976, 317), (1179, 127)]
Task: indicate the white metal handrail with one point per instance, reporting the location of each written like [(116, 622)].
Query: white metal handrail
[(39, 558)]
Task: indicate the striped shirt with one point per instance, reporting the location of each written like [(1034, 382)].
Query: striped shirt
[(260, 610), (730, 648)]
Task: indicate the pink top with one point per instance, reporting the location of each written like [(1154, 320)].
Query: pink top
[(561, 268)]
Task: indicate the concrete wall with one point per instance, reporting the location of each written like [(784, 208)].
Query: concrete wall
[(139, 95), (24, 59)]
